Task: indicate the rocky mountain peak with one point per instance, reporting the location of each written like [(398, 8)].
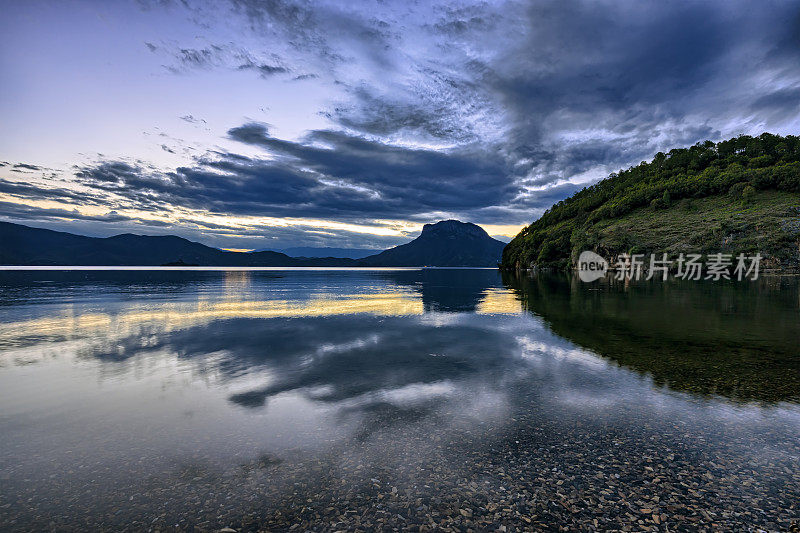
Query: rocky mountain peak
[(453, 229)]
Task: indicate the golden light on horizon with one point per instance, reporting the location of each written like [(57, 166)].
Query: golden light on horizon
[(203, 220), (507, 230), (234, 226)]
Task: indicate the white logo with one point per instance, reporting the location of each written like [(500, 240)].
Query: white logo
[(591, 266)]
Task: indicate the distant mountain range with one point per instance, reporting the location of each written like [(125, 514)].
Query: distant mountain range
[(346, 253), (446, 243)]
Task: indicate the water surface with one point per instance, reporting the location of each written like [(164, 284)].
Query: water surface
[(345, 399)]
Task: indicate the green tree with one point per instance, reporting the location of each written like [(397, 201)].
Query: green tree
[(748, 194)]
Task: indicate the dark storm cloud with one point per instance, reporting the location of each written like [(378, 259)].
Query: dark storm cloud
[(37, 191), (781, 100), (232, 185), (635, 78), (330, 174), (581, 86), (408, 180), (24, 213)]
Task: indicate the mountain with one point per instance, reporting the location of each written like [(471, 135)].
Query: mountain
[(736, 196), (23, 245), (345, 253), (446, 243)]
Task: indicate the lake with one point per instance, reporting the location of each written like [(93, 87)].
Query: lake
[(415, 399)]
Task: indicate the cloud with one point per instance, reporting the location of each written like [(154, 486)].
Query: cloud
[(405, 180), (330, 31), (329, 174), (25, 213), (27, 166), (598, 85), (781, 99), (226, 56), (192, 119), (564, 90), (567, 90), (263, 69), (41, 191)]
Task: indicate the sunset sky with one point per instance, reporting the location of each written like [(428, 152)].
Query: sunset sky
[(265, 124)]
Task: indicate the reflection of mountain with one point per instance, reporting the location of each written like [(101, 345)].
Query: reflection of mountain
[(739, 341), (447, 289)]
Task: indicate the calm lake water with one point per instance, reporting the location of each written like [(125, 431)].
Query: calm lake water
[(409, 399)]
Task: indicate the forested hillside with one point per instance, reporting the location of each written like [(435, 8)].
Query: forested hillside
[(739, 195)]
